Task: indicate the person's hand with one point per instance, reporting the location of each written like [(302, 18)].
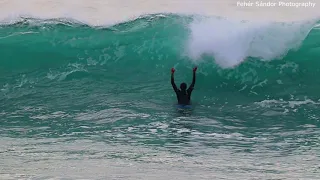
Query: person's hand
[(172, 70), (195, 69)]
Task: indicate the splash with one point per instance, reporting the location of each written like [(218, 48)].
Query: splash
[(232, 42)]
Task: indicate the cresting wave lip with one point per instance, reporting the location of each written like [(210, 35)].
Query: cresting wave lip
[(32, 20), (75, 22)]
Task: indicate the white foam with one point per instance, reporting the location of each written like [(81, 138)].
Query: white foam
[(231, 42), (289, 104), (102, 12)]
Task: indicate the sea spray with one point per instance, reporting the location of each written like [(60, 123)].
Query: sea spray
[(231, 43)]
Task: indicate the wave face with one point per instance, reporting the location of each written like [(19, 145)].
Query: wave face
[(256, 82)]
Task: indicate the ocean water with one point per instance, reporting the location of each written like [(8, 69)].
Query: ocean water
[(95, 102)]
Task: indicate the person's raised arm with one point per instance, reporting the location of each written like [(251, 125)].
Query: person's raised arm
[(172, 80), (193, 79)]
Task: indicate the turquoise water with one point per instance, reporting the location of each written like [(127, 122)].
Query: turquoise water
[(79, 101)]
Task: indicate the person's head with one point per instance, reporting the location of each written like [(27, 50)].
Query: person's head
[(183, 86)]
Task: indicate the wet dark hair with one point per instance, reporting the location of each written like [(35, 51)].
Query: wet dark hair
[(183, 86)]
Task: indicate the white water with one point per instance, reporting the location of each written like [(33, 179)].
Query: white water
[(88, 159), (231, 42), (104, 12)]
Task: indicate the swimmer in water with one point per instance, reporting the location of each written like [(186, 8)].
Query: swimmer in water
[(183, 94)]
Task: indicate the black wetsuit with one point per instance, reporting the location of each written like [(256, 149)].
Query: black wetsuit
[(184, 97)]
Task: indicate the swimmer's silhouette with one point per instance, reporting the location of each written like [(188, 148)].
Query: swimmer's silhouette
[(183, 94)]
